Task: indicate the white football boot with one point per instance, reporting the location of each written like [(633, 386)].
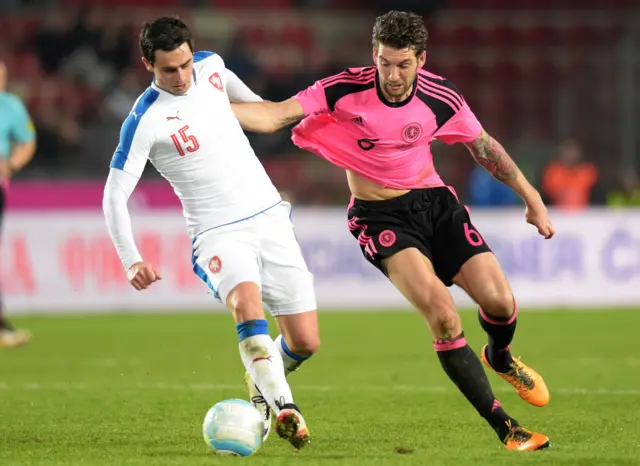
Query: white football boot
[(260, 404)]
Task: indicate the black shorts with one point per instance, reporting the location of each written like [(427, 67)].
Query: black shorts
[(431, 220)]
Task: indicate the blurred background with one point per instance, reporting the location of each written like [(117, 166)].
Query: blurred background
[(554, 80)]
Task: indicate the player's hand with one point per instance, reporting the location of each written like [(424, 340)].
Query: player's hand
[(141, 275), (538, 216)]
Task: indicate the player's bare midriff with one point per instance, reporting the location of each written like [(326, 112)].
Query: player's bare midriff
[(367, 190)]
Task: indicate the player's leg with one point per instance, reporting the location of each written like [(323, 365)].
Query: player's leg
[(301, 333), (413, 275), (288, 289), (227, 260), (300, 330), (289, 293), (396, 237), (258, 351), (299, 338), (9, 337), (482, 278)]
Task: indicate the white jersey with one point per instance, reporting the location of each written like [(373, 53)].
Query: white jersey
[(197, 144)]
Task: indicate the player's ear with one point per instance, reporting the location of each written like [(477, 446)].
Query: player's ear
[(147, 65), (422, 59), (374, 54)]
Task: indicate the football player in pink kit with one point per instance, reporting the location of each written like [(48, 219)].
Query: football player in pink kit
[(378, 123)]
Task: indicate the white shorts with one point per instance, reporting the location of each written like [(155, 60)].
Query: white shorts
[(262, 249)]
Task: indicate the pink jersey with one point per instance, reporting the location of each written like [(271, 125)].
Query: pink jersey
[(349, 123)]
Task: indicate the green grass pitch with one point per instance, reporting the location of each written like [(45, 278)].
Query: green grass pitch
[(133, 390)]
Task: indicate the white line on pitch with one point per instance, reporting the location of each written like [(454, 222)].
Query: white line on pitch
[(69, 386)]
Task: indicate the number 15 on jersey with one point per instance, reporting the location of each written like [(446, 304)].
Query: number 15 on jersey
[(183, 141)]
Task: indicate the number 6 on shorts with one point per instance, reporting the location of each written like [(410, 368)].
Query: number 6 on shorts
[(472, 235)]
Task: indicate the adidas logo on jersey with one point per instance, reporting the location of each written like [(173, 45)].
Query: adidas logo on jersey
[(358, 121)]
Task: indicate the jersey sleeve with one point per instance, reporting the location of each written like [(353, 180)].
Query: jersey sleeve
[(462, 127), (136, 140), (137, 136), (22, 129), (237, 90), (313, 99), (117, 191)]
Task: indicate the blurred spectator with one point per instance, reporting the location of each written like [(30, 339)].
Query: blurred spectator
[(78, 70), (486, 191), (89, 54), (628, 192), (119, 101), (52, 41), (568, 181), (59, 137), (17, 146), (241, 60)]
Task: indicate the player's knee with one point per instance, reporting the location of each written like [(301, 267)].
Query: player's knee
[(245, 302), (304, 345), (498, 302), (449, 324)]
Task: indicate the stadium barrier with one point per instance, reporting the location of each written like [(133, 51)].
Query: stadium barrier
[(59, 261)]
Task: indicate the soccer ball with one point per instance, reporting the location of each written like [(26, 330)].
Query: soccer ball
[(233, 428)]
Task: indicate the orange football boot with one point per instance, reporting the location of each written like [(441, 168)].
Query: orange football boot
[(521, 439), (527, 382)]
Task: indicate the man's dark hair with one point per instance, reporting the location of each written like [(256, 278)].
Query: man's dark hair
[(166, 34), (400, 30)]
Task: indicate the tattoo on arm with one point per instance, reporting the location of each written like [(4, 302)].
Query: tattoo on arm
[(491, 155)]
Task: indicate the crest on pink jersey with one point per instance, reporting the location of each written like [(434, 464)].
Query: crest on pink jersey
[(387, 238), (412, 132)]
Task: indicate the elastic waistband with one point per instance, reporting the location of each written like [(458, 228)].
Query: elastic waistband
[(196, 236), (404, 201)]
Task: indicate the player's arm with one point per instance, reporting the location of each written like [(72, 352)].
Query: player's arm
[(24, 138), (489, 153), (269, 117), (462, 126), (117, 191), (126, 168)]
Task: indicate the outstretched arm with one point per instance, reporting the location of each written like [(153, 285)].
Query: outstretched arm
[(127, 165), (494, 158), (117, 190), (268, 117)]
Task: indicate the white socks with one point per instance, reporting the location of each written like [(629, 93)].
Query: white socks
[(262, 359), (292, 361)]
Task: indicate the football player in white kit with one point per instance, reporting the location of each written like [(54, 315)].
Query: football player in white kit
[(244, 247)]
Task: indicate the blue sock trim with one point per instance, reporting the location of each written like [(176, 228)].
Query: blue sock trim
[(290, 353), (252, 327)]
